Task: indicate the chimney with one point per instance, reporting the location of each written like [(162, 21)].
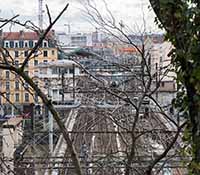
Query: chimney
[(1, 33), (53, 32), (21, 34)]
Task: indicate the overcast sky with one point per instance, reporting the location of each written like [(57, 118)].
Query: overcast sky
[(129, 11)]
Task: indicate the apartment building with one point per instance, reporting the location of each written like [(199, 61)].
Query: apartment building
[(17, 46), (90, 39), (59, 79), (162, 68)]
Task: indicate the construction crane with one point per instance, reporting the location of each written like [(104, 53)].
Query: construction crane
[(40, 14)]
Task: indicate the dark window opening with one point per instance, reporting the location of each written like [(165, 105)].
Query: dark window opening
[(30, 43), (71, 70), (17, 85), (45, 53), (11, 44), (16, 53), (17, 97), (7, 74), (7, 85), (26, 97), (21, 44), (35, 62)]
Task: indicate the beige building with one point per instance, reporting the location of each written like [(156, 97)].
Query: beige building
[(18, 45)]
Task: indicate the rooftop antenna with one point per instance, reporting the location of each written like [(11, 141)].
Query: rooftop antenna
[(40, 14), (69, 27)]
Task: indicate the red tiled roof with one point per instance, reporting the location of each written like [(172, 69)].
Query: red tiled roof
[(23, 35), (129, 49)]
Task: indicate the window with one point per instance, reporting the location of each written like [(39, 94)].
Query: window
[(65, 70), (36, 98), (55, 93), (35, 62), (11, 44), (45, 53), (7, 85), (71, 70), (7, 44), (17, 63), (16, 53), (21, 44), (8, 96), (17, 97), (7, 74), (26, 44), (36, 83), (16, 45), (26, 53), (37, 110), (53, 52), (36, 72), (162, 84), (31, 44), (26, 97), (43, 71), (55, 70), (45, 44), (25, 85), (45, 61), (17, 85), (36, 53)]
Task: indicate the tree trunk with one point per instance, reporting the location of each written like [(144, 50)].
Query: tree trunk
[(194, 113)]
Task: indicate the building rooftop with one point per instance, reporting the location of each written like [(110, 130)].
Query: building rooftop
[(58, 63), (12, 122), (23, 35)]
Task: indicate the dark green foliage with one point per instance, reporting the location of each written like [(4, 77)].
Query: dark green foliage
[(181, 20)]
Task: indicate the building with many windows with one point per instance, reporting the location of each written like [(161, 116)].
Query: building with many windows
[(60, 79), (89, 39), (17, 46)]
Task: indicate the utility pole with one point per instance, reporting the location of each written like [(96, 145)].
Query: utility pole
[(73, 82), (62, 84), (40, 14), (50, 132), (50, 125), (69, 28)]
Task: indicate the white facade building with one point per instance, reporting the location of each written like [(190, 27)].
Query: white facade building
[(57, 77), (74, 39), (161, 63), (79, 39), (160, 57)]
